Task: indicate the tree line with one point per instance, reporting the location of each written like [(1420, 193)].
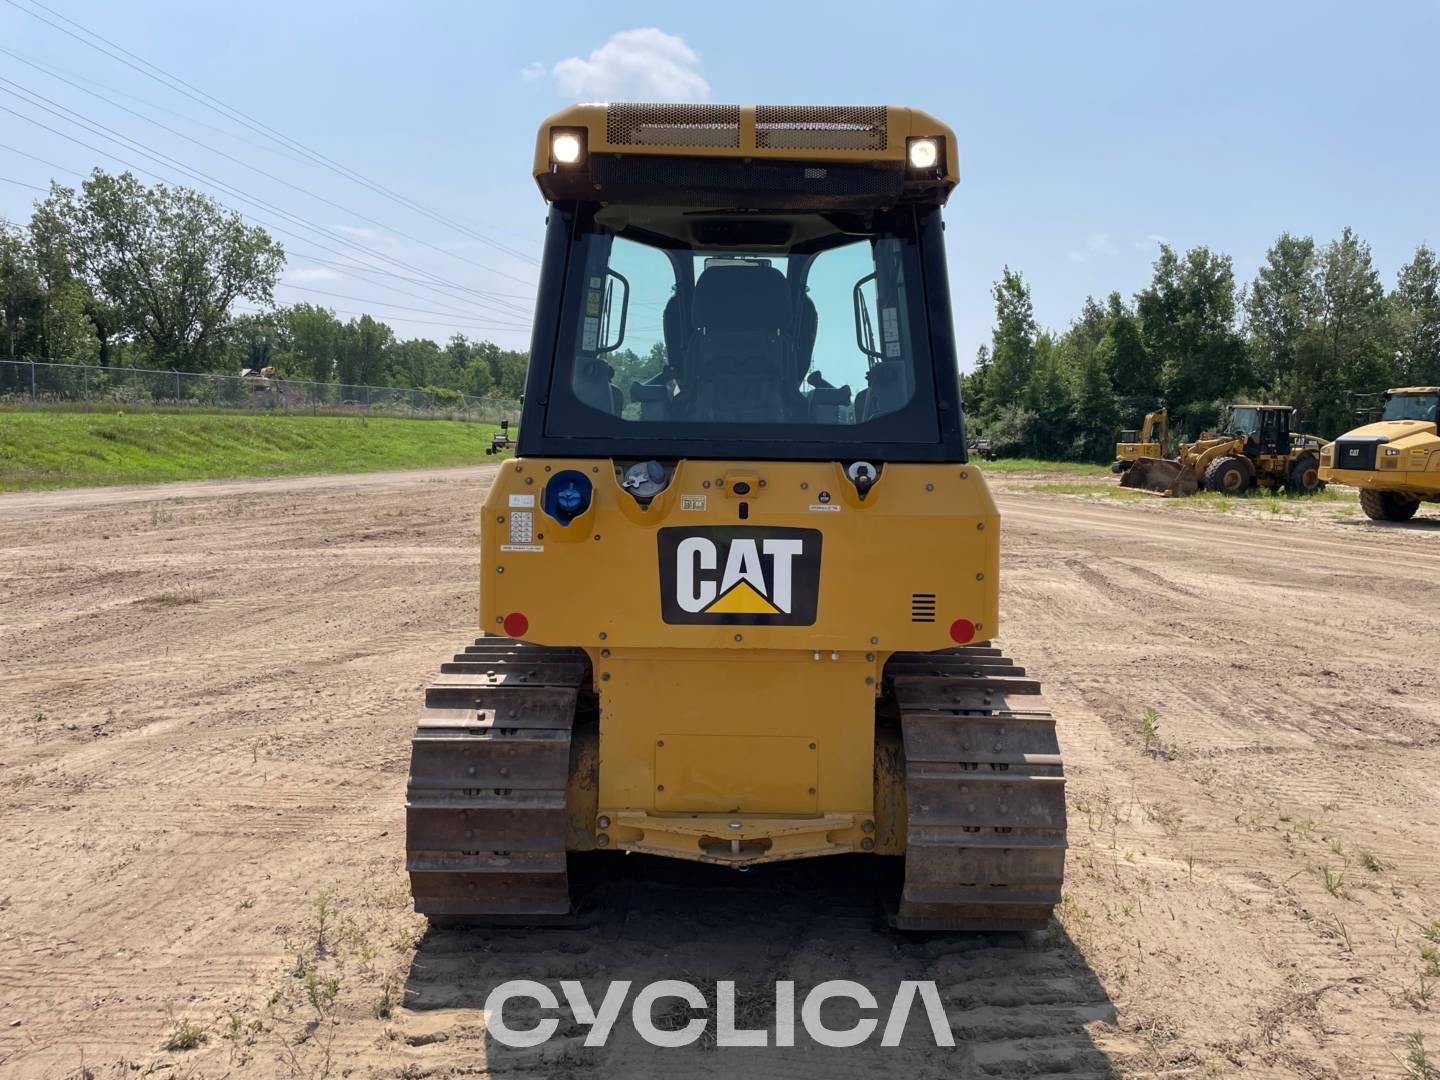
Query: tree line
[(118, 273), (1314, 329)]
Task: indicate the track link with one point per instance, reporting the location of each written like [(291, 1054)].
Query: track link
[(485, 818), (985, 793)]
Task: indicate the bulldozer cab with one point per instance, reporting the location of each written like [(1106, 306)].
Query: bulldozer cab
[(778, 312), (1266, 428)]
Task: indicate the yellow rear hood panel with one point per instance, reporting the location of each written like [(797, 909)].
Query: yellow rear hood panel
[(895, 570)]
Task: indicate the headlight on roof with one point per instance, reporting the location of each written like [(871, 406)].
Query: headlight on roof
[(923, 153), (567, 146)]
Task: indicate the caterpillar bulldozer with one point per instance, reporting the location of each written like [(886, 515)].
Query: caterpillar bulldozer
[(741, 610), (1395, 461), (1151, 440), (1254, 448)]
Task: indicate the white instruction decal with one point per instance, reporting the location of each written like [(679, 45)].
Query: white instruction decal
[(822, 508), (522, 547), (522, 500), (692, 502), (522, 526)]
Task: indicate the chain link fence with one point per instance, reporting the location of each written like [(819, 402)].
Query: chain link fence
[(41, 383)]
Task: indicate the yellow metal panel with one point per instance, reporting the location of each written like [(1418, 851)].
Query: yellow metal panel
[(754, 715), (901, 124), (724, 774), (737, 700), (596, 582)]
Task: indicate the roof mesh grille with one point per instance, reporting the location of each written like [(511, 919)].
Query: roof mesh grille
[(821, 127), (673, 125)]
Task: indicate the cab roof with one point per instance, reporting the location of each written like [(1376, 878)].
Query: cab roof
[(705, 144)]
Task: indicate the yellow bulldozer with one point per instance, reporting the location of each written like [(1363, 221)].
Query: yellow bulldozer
[(1151, 440), (1254, 448), (1395, 462), (740, 611)]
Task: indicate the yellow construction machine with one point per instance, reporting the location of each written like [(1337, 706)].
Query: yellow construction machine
[(1395, 462), (738, 612), (1152, 440), (1254, 448)]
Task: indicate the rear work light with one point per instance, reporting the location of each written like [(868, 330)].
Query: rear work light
[(567, 146)]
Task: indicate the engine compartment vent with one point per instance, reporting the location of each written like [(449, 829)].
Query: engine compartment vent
[(821, 127), (922, 607), (673, 125)]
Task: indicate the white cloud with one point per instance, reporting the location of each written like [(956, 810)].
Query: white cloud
[(1153, 240), (532, 71), (1101, 244), (1075, 256), (644, 64)]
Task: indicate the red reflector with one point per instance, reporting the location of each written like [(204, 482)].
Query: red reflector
[(961, 630), (516, 624)]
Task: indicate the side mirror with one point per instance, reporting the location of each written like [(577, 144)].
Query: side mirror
[(610, 327), (864, 326), (505, 425)]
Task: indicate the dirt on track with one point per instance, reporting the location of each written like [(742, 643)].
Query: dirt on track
[(206, 696)]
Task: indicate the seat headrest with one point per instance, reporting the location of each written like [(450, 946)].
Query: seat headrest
[(742, 298)]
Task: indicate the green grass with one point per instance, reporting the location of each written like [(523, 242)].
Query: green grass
[(54, 450), (1005, 465)]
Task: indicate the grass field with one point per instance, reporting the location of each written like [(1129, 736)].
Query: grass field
[(53, 450), (1009, 465)]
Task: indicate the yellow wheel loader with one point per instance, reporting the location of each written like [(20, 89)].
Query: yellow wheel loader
[(1395, 462), (1255, 448), (736, 602), (1152, 440)]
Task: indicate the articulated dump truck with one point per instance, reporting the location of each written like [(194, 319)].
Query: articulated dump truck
[(1395, 462), (736, 599)]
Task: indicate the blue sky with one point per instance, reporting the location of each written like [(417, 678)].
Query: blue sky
[(1086, 131)]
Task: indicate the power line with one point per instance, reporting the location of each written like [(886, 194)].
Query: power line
[(106, 153), (135, 145), (30, 97), (381, 317), (395, 288), (382, 303), (179, 85), (51, 69), (41, 160), (271, 176), (399, 277), (366, 271), (21, 183), (277, 179)]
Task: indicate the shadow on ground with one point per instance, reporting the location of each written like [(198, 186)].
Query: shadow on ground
[(1018, 1004)]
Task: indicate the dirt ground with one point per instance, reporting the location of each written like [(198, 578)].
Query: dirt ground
[(206, 695)]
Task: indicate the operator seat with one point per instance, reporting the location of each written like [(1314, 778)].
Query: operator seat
[(740, 359)]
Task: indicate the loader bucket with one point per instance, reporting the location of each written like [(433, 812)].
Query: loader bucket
[(1160, 475)]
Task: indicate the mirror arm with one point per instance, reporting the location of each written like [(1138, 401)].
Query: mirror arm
[(624, 311), (862, 320)]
